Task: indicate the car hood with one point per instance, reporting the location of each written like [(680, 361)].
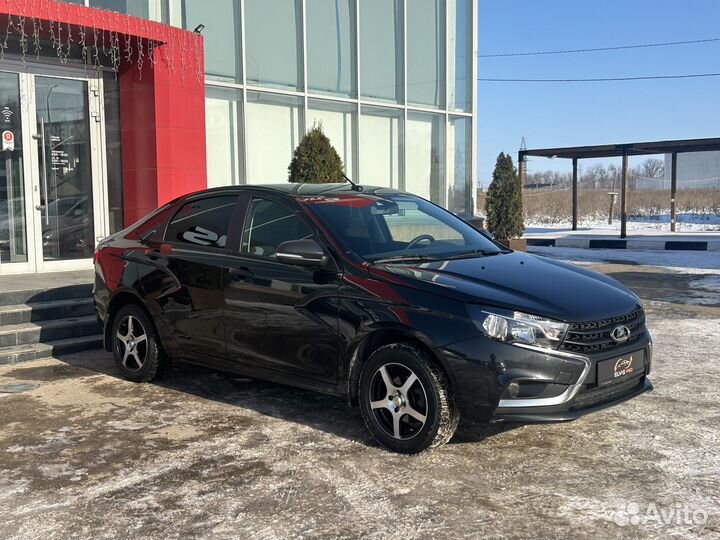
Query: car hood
[(518, 281)]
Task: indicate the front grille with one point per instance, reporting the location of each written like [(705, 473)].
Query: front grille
[(593, 337), (605, 394)]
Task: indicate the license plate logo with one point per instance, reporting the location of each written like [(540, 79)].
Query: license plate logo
[(623, 366)]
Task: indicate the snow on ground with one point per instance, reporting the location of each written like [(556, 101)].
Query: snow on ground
[(695, 262), (213, 455), (610, 233), (685, 223)]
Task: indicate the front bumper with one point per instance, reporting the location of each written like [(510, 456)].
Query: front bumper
[(582, 404), (555, 386)]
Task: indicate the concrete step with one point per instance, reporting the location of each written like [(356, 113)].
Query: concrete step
[(46, 311), (46, 331), (40, 294), (37, 351)]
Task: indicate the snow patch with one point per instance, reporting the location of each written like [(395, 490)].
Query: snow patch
[(686, 222), (683, 262)]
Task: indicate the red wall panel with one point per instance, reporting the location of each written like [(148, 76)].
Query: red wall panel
[(162, 105)]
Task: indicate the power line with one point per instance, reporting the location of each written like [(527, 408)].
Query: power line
[(601, 49), (604, 79)]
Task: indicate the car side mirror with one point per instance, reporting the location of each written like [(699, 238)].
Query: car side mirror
[(301, 253)]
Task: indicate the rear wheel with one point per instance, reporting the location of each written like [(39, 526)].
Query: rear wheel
[(136, 347), (405, 399)]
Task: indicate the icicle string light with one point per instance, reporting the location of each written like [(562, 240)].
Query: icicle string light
[(97, 39)]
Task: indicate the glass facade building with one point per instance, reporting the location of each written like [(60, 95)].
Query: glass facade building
[(391, 81)]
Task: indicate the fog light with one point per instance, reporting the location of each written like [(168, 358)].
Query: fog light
[(513, 389)]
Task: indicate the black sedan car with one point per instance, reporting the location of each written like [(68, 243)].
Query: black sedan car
[(372, 294)]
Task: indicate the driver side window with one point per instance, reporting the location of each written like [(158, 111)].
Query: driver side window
[(267, 225)]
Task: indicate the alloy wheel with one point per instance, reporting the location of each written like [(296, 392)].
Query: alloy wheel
[(131, 343), (398, 401)]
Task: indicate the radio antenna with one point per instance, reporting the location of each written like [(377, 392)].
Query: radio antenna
[(355, 187)]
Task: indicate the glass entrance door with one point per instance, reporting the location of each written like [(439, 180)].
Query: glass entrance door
[(65, 169), (52, 170)]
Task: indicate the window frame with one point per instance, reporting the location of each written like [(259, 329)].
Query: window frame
[(285, 203)]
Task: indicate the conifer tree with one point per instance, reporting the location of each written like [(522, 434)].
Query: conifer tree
[(315, 161), (503, 203)]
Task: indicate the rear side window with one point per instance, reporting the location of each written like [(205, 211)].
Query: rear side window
[(203, 222), (152, 225)]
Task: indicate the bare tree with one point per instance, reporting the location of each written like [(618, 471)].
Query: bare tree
[(596, 176), (652, 168)]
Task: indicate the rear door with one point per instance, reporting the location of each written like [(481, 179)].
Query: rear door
[(185, 274), (280, 316)]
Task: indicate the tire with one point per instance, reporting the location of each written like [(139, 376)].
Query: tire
[(402, 418), (136, 346)]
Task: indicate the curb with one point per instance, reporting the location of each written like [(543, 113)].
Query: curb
[(664, 245)]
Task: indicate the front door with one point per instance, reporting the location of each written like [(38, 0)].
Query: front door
[(278, 316), (52, 175)]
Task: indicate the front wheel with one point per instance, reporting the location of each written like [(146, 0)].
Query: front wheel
[(405, 399), (136, 347)]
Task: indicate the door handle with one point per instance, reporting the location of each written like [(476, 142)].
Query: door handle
[(41, 138), (240, 274), (153, 253), (158, 252)]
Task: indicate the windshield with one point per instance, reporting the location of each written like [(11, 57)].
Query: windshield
[(397, 226)]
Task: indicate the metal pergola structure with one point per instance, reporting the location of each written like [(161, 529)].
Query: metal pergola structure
[(625, 151)]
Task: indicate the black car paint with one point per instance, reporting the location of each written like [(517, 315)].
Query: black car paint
[(312, 328)]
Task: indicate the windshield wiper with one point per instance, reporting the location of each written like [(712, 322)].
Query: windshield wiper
[(473, 253), (406, 258)]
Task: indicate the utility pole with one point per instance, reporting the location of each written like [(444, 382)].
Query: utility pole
[(624, 196), (574, 194), (522, 164)]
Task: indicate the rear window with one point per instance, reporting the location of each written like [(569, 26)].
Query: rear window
[(203, 222)]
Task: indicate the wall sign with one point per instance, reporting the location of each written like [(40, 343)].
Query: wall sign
[(8, 140), (7, 115)]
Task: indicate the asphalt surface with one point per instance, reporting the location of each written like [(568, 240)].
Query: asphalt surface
[(210, 455)]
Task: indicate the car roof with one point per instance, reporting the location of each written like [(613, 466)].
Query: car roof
[(308, 190)]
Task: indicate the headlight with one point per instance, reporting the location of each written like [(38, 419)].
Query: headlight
[(518, 327)]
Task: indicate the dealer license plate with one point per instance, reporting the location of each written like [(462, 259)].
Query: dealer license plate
[(620, 368)]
